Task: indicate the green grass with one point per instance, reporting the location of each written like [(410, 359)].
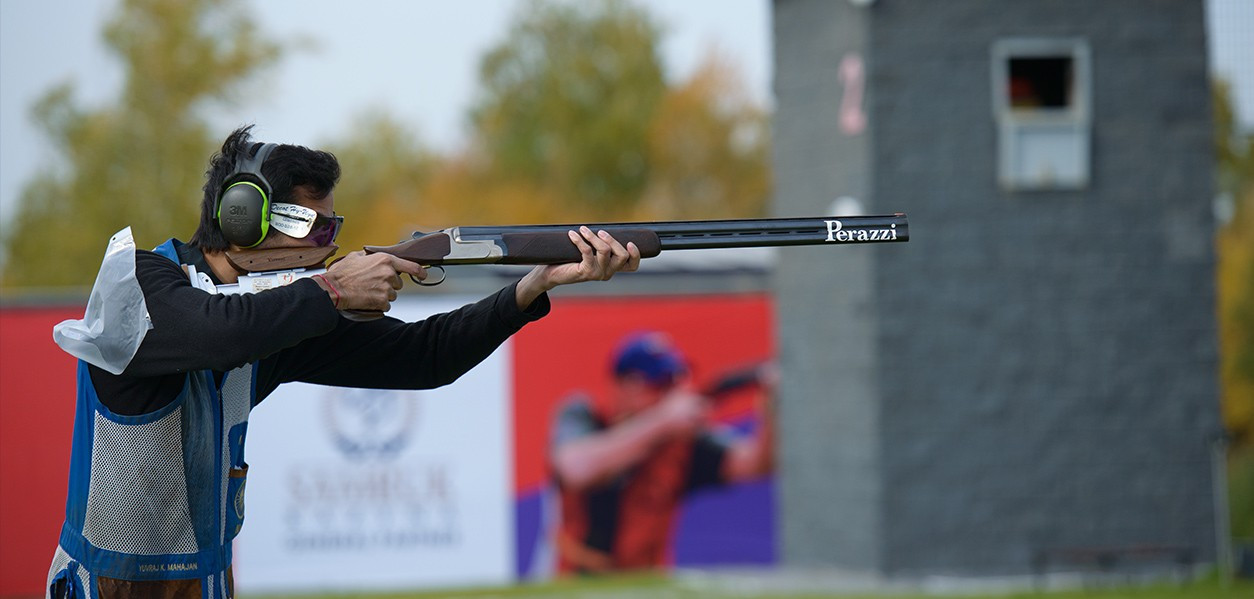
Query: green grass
[(1241, 492), (633, 587)]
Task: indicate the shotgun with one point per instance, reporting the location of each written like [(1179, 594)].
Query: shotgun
[(732, 381), (549, 244)]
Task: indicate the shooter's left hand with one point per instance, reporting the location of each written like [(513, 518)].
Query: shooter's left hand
[(603, 257)]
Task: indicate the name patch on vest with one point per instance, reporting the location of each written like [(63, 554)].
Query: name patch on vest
[(187, 567)]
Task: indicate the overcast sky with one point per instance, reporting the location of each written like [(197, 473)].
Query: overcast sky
[(417, 59)]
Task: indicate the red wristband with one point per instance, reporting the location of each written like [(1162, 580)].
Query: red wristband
[(333, 290)]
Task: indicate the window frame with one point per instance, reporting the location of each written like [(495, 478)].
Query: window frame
[(1014, 124)]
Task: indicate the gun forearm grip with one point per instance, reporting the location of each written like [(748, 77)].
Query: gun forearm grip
[(555, 247)]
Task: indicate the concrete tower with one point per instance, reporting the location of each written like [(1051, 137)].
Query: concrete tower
[(1035, 370)]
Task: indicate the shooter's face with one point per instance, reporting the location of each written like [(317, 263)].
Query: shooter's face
[(636, 394)]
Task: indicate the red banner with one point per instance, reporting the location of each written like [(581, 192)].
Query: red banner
[(36, 421)]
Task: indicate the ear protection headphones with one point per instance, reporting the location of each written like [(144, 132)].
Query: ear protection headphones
[(243, 206)]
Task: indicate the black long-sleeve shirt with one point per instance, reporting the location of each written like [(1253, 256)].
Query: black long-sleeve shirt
[(297, 335)]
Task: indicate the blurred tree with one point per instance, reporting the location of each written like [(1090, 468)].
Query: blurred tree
[(392, 185), (385, 169), (567, 100), (464, 192), (1235, 281), (139, 161), (708, 150), (575, 123)]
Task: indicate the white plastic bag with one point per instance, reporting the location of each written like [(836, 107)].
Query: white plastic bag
[(117, 319)]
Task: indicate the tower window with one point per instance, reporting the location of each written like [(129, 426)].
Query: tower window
[(1041, 103)]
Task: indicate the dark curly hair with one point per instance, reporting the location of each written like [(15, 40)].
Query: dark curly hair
[(286, 168)]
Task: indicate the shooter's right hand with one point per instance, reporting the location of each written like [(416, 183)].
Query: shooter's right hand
[(367, 282), (683, 412)]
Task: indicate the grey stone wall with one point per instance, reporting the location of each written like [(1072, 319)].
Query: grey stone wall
[(1033, 370), (830, 491)]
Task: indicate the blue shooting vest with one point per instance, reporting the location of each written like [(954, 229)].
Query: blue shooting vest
[(158, 496)]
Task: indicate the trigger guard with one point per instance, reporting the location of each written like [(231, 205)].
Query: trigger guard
[(427, 282)]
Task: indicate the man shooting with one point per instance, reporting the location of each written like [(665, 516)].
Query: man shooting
[(622, 471), (157, 473)]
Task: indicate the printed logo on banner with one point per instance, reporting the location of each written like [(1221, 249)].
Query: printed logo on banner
[(372, 492), (368, 424)]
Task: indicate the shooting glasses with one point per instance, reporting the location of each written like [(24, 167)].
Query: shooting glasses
[(300, 222)]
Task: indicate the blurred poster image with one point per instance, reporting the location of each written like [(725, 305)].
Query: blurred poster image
[(644, 441)]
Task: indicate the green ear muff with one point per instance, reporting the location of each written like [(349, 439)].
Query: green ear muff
[(243, 206), (243, 214)]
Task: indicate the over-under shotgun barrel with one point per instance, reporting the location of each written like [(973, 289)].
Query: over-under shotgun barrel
[(735, 233)]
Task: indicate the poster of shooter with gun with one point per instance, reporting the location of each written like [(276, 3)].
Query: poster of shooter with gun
[(657, 450)]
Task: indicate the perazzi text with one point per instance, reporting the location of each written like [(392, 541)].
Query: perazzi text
[(837, 232)]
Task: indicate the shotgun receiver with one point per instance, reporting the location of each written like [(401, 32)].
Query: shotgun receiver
[(549, 244)]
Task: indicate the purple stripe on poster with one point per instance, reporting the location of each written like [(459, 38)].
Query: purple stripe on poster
[(733, 525), (528, 515)]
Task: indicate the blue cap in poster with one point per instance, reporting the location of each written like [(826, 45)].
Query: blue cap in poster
[(651, 354)]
